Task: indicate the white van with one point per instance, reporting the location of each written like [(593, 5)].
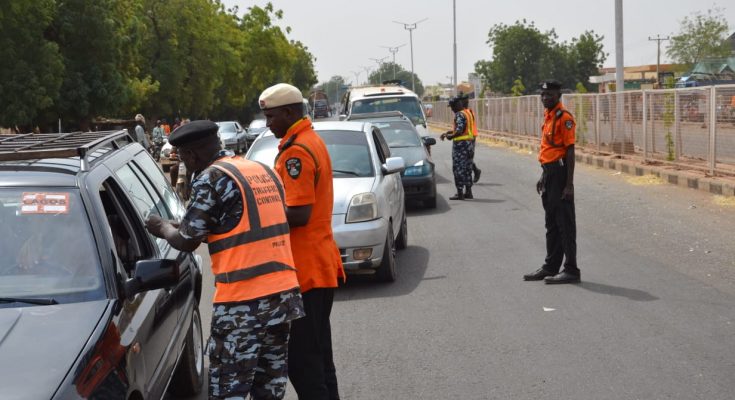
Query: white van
[(386, 97)]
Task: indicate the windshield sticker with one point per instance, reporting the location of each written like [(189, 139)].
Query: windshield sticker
[(45, 203)]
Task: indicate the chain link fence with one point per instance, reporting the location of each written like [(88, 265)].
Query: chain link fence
[(693, 127)]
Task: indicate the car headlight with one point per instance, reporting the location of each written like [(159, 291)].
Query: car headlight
[(363, 207), (421, 168)]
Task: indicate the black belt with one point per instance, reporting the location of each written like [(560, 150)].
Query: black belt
[(554, 164)]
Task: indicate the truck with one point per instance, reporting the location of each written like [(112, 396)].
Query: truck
[(319, 104)]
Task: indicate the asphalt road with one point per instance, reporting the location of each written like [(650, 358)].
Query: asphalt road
[(652, 319)]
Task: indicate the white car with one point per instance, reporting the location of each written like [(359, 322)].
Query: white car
[(387, 97), (369, 215)]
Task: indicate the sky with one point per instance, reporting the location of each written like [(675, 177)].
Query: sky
[(344, 35)]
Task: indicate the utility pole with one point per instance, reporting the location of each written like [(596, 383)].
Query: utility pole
[(454, 24), (393, 51), (367, 74), (658, 39), (380, 70), (410, 28), (619, 73)]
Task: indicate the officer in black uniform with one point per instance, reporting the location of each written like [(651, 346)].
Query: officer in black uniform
[(556, 186)]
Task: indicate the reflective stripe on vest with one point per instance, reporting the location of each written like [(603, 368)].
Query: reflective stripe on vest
[(253, 259), (467, 134)]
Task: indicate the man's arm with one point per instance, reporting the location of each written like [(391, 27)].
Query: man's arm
[(168, 230), (568, 192), (298, 216)]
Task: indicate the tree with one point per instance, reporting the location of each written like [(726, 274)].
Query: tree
[(386, 73), (32, 70), (518, 87), (700, 36), (334, 88), (521, 51)]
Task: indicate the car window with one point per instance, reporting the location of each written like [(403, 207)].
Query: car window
[(408, 105), (142, 200), (399, 134), (264, 150), (349, 152), (47, 247), (153, 173), (227, 127)]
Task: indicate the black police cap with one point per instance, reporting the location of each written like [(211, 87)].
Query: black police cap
[(192, 132), (550, 84), (453, 101)]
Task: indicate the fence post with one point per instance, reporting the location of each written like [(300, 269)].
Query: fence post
[(677, 133), (645, 126), (712, 130), (597, 121)]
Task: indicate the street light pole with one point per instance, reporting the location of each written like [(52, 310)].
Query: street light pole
[(367, 74), (380, 70), (410, 28), (357, 77), (393, 51), (659, 39), (454, 14)]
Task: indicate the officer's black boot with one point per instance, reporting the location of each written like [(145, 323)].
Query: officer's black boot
[(468, 193), (459, 195), (477, 172)]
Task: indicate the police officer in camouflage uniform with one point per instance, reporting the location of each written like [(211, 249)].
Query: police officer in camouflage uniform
[(463, 151), (257, 293)]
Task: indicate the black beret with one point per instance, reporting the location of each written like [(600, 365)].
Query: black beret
[(453, 101), (550, 85), (193, 131)]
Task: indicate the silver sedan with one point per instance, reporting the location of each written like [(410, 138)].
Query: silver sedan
[(369, 216)]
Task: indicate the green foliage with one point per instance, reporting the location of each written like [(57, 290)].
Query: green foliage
[(521, 50), (385, 73), (518, 88), (334, 88), (31, 71), (700, 36), (80, 59), (668, 117)]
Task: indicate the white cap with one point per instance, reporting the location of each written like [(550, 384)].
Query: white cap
[(280, 95)]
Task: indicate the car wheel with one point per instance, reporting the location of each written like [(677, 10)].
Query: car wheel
[(430, 202), (402, 239), (387, 270), (189, 375)]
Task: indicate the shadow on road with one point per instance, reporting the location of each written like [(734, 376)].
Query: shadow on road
[(416, 208), (411, 262), (632, 294)]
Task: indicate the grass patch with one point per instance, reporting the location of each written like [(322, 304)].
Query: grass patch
[(727, 201)]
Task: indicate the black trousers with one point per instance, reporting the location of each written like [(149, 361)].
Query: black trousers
[(561, 225), (310, 361)]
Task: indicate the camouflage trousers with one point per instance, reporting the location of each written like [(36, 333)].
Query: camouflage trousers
[(247, 357), (463, 153)]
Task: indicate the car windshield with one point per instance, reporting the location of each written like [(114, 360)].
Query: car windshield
[(257, 123), (349, 152), (227, 127), (408, 105), (47, 247), (399, 133)]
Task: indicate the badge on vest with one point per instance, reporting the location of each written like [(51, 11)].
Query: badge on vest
[(293, 166), (568, 124)]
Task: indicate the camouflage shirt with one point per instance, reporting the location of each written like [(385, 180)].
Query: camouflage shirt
[(215, 205), (459, 123)]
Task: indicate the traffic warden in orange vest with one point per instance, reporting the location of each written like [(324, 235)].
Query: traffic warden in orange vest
[(473, 126), (237, 207), (556, 187), (463, 149), (306, 170)]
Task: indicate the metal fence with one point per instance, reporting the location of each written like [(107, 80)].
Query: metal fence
[(692, 126)]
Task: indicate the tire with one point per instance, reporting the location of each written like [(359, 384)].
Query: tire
[(188, 378), (387, 270), (402, 239), (430, 202)]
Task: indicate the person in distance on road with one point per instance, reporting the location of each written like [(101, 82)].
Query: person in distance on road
[(237, 208), (556, 188), (462, 150)]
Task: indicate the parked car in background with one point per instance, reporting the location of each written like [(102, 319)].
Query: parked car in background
[(91, 305), (369, 215), (233, 136), (256, 127), (419, 180)]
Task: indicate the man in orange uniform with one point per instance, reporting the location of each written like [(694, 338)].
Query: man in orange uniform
[(237, 208), (306, 170), (556, 187)]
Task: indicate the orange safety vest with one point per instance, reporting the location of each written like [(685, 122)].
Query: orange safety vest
[(253, 259), (471, 117), (469, 131)]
